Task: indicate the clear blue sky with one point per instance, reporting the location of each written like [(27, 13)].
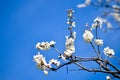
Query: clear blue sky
[(25, 22)]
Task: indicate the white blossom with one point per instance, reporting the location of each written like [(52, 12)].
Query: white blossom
[(108, 78), (85, 4), (45, 72), (73, 24), (40, 61), (109, 25), (116, 16), (98, 42), (70, 13), (116, 8), (88, 36), (74, 35), (97, 22), (69, 40), (81, 5), (94, 25), (63, 57), (54, 61), (68, 53), (43, 46), (104, 20), (68, 22), (70, 43), (38, 45), (52, 43), (70, 48), (109, 52)]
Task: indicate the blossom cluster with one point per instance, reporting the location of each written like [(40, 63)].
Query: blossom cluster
[(97, 23), (109, 52), (98, 42), (88, 37), (85, 4), (67, 54), (40, 59), (69, 20), (116, 13), (113, 9), (70, 48), (44, 45), (108, 24), (41, 62)]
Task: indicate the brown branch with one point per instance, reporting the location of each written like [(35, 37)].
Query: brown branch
[(94, 70), (100, 62)]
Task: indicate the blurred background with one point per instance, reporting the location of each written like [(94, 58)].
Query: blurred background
[(23, 23)]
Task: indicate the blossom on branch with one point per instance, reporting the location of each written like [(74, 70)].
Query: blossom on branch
[(52, 43), (70, 48), (116, 8), (105, 66), (109, 52), (62, 57), (45, 45), (41, 62), (88, 36), (45, 72), (73, 24), (110, 9), (109, 25), (68, 53), (98, 42), (108, 78), (69, 43), (116, 16), (70, 13), (97, 23), (73, 35), (39, 59), (85, 4)]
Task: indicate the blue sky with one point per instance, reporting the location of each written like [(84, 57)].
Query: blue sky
[(25, 22)]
